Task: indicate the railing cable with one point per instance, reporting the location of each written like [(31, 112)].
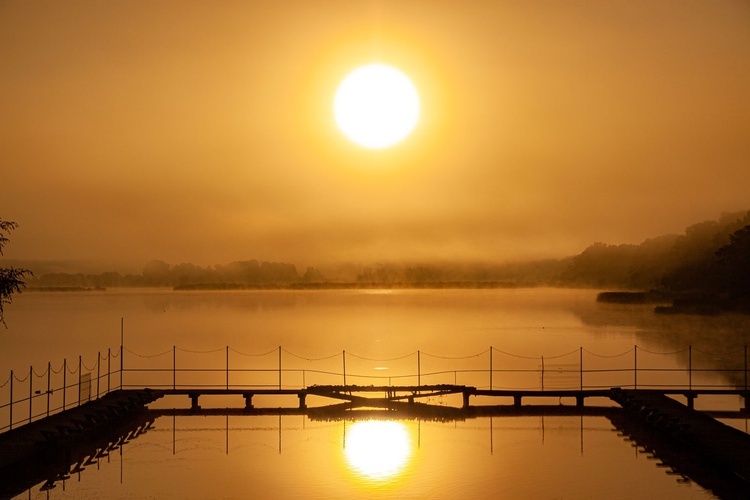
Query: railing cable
[(609, 356), (381, 360), (200, 352), (87, 368), (272, 351), (336, 355), (718, 354), (147, 356), (457, 357), (643, 349)]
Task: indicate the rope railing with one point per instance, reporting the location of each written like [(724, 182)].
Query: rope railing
[(282, 368), (383, 360), (456, 357), (607, 356), (322, 358), (38, 393), (272, 351), (290, 373)]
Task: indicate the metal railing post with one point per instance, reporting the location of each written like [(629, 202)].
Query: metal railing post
[(279, 367), (31, 389), (122, 349), (227, 367), (580, 360), (49, 374), (542, 372), (174, 367), (122, 370), (98, 371), (635, 367), (80, 363), (65, 379), (745, 367), (11, 401), (419, 368), (690, 367), (490, 367), (109, 366), (343, 360)]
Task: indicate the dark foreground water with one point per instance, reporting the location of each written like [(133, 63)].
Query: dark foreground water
[(293, 457)]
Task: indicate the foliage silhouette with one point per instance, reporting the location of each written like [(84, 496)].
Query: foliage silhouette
[(11, 279)]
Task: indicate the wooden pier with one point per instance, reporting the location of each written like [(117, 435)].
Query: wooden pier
[(686, 427), (362, 395), (721, 444), (46, 448)]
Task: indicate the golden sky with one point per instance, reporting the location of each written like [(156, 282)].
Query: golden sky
[(203, 131)]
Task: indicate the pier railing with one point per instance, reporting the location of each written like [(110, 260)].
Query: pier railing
[(279, 368), (31, 395), (34, 394)]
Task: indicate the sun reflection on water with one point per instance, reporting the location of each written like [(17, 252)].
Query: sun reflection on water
[(377, 449)]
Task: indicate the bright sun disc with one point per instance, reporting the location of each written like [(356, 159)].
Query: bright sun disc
[(376, 106), (378, 449)]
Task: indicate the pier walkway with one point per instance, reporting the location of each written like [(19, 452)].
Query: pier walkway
[(716, 443), (726, 447), (45, 412)]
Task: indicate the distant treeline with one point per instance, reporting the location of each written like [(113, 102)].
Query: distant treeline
[(158, 273), (712, 257), (252, 274)]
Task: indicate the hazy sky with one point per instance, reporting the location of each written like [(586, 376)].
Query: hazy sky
[(203, 131)]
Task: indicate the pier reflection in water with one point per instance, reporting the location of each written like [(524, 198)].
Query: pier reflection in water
[(563, 455)]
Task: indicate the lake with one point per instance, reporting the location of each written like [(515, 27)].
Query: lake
[(375, 337)]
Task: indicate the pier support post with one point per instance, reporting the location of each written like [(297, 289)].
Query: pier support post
[(248, 400), (746, 397), (466, 395), (579, 400), (690, 400), (194, 401), (302, 397), (517, 400)]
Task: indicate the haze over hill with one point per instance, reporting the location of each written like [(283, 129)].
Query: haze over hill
[(709, 254)]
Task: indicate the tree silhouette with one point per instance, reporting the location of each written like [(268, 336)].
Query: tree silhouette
[(734, 262), (11, 279)]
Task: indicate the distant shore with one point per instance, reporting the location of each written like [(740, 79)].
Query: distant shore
[(351, 286), (700, 303), (64, 289)]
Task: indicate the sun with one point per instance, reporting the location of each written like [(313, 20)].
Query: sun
[(376, 106), (378, 449)]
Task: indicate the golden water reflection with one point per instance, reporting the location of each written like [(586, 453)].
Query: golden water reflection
[(378, 449)]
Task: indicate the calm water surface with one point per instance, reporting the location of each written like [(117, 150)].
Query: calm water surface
[(381, 332)]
